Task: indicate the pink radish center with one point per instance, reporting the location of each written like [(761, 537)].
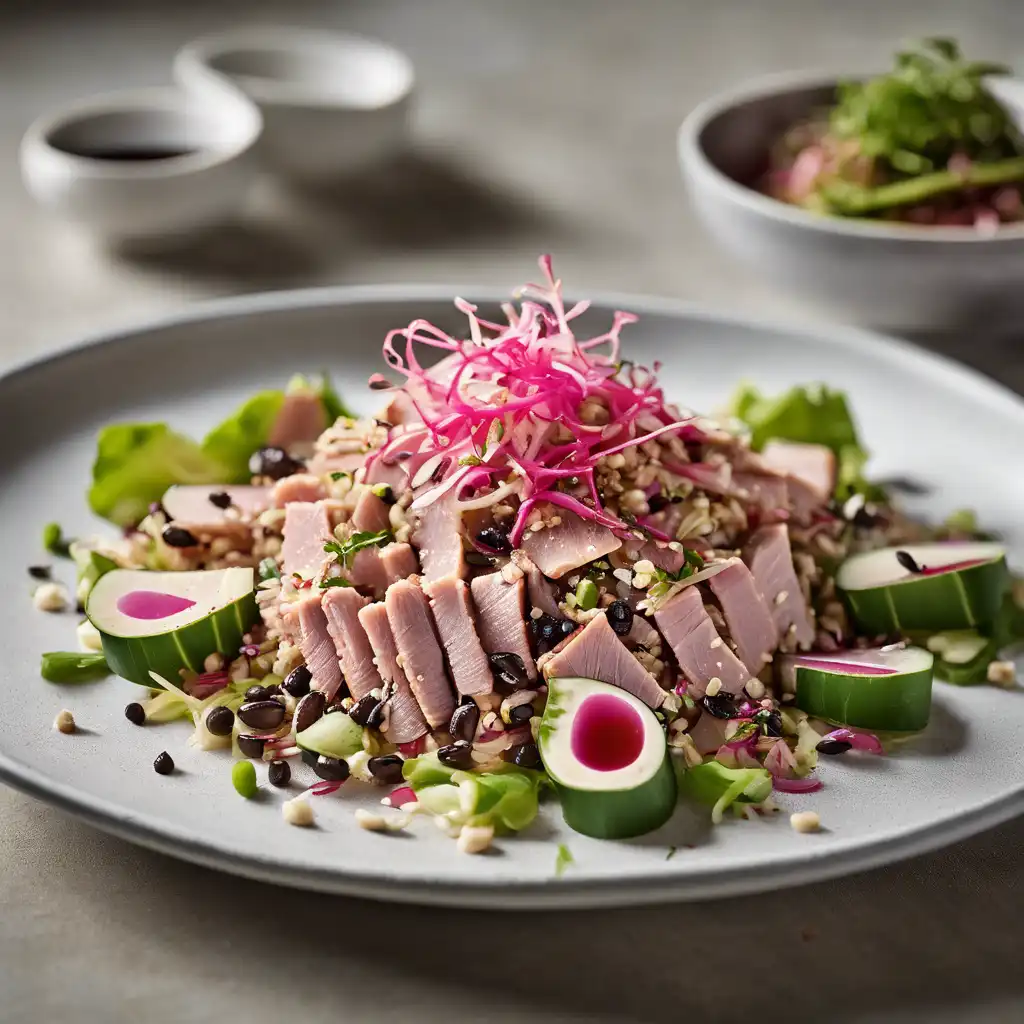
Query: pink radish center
[(607, 734), (936, 570), (853, 668), (151, 604)]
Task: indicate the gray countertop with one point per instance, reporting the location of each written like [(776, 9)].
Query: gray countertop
[(540, 127)]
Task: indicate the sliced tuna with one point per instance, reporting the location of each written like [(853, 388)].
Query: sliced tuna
[(501, 617), (419, 650), (405, 721), (663, 557), (366, 569), (746, 614), (559, 549), (766, 491), (400, 410), (708, 734), (453, 616), (813, 465), (323, 463), (189, 506), (300, 487), (316, 645), (701, 653), (307, 528), (439, 540), (341, 607), (596, 652), (399, 562), (300, 421), (771, 562), (542, 592), (371, 514)]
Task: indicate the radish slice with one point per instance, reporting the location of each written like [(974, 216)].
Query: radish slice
[(886, 689), (925, 588)]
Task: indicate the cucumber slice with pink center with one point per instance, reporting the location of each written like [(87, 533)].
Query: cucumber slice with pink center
[(886, 689), (605, 752), (925, 588), (166, 622)]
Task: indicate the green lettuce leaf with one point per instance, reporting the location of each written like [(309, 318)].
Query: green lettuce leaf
[(137, 462), (243, 432), (713, 784)]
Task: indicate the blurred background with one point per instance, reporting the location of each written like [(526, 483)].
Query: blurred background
[(537, 126)]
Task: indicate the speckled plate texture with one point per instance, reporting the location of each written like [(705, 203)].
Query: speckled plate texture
[(922, 416)]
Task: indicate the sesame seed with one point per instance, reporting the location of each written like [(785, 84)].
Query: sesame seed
[(781, 596), (714, 687), (717, 642), (536, 527), (755, 689), (805, 821), (64, 722)]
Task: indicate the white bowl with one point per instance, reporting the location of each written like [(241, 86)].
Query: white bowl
[(899, 276), (129, 199), (332, 104)]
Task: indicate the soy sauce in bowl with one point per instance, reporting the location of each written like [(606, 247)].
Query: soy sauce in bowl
[(129, 154)]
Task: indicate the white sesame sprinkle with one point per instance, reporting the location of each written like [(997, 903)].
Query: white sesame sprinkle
[(674, 545), (536, 527), (50, 597), (623, 576), (717, 642), (536, 613), (298, 812), (714, 686), (805, 821), (64, 722), (755, 689), (645, 565), (556, 520), (781, 596)]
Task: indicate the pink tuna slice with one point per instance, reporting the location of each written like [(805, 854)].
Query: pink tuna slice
[(405, 721), (152, 604), (399, 562), (439, 539), (189, 507), (365, 569), (299, 487), (708, 734), (453, 616), (542, 592), (371, 514), (501, 618), (771, 563), (316, 644), (400, 410), (300, 420), (811, 465), (323, 463), (420, 652), (596, 652), (663, 557), (746, 614), (307, 527), (701, 653), (559, 549), (715, 479), (767, 492), (355, 655)]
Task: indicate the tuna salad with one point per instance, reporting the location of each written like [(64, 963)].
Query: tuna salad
[(530, 576)]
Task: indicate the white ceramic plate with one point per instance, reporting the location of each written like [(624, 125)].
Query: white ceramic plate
[(923, 416)]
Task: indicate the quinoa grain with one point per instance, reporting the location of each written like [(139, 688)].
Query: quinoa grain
[(64, 722)]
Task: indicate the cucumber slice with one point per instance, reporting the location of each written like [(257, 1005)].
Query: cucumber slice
[(887, 689), (606, 754), (168, 621), (333, 735), (957, 586)]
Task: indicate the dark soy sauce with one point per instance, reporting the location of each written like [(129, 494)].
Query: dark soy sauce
[(128, 154)]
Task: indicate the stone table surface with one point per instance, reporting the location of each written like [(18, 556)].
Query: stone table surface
[(539, 127)]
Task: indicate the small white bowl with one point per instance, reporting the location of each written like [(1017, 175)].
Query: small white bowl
[(898, 276), (332, 104), (76, 163)]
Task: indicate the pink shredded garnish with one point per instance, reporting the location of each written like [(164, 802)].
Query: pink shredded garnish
[(866, 741), (206, 685), (796, 785), (325, 788), (249, 650)]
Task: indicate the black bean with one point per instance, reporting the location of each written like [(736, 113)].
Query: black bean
[(657, 502), (274, 691), (331, 769), (274, 463), (178, 537), (386, 769), (250, 746), (221, 499), (620, 617), (135, 713), (279, 774), (827, 746), (309, 757), (456, 755), (257, 693), (526, 755), (770, 721), (385, 493), (164, 763), (567, 627), (508, 670), (39, 572), (376, 719), (297, 681), (721, 705), (309, 710), (366, 709), (495, 538), (464, 722), (907, 560), (262, 714), (220, 720), (520, 714)]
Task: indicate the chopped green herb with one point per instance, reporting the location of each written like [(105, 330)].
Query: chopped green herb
[(563, 859), (335, 581), (268, 570), (243, 778), (73, 667), (671, 852), (345, 550), (55, 542), (339, 475)]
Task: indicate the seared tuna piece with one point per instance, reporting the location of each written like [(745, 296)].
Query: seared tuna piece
[(559, 549), (189, 506), (307, 528), (316, 644), (501, 618), (765, 491), (399, 561), (365, 569), (341, 606), (300, 420), (543, 593), (708, 734), (750, 622), (771, 563), (405, 721), (419, 650), (371, 514), (702, 654), (298, 487), (439, 540), (453, 615), (596, 652), (810, 471)]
